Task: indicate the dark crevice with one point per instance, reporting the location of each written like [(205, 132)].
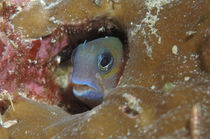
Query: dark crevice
[(204, 53), (92, 30), (4, 105), (78, 34)]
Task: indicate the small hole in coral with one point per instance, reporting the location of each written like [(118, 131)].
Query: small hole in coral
[(131, 106), (129, 112)]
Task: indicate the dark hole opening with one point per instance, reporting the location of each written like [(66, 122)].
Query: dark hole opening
[(78, 34)]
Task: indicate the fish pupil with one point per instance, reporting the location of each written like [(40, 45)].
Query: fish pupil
[(105, 61)]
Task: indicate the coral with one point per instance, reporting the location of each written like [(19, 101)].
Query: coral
[(165, 77)]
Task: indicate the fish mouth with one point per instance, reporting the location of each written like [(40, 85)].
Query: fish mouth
[(88, 95), (82, 88)]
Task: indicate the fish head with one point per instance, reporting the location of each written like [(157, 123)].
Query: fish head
[(102, 58)]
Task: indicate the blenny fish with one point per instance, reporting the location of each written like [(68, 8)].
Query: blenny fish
[(102, 57)]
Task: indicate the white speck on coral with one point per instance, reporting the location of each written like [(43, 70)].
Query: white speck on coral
[(29, 60), (55, 21), (53, 40), (150, 21), (187, 78), (153, 87), (52, 4), (128, 133), (58, 59), (97, 2), (26, 132), (8, 123), (53, 113), (191, 32), (135, 29), (175, 50), (101, 29), (14, 44), (92, 112), (148, 48), (35, 61), (19, 8), (42, 2), (11, 71), (136, 126), (52, 18)]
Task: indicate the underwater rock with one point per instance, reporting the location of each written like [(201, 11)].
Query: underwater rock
[(168, 47)]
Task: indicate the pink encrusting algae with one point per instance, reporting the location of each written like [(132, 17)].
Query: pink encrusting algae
[(26, 64), (18, 2)]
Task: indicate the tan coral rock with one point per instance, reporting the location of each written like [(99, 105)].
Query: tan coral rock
[(153, 27)]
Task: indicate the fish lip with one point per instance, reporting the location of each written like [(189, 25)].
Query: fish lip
[(86, 91), (81, 84), (82, 88), (88, 95)]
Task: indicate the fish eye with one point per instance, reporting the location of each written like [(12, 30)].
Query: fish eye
[(105, 61)]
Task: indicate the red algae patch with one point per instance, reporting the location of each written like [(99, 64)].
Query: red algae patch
[(26, 63)]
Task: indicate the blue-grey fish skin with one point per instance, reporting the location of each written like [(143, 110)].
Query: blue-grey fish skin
[(86, 58)]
